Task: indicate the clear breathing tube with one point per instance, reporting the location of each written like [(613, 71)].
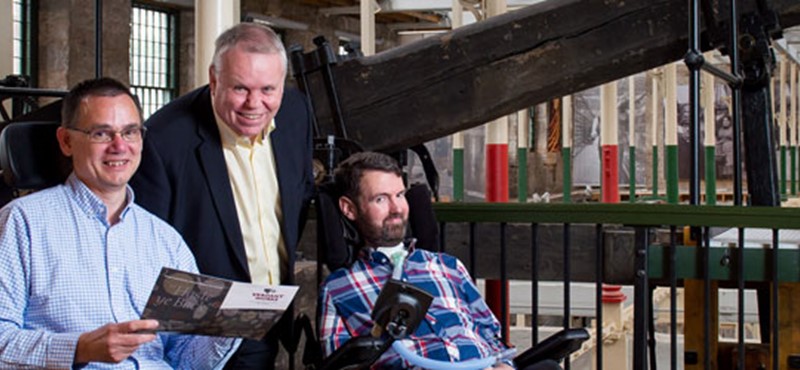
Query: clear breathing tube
[(426, 363)]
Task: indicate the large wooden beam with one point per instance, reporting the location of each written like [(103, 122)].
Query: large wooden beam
[(461, 79)]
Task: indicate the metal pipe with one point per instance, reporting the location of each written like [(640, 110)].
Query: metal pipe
[(328, 58), (718, 72), (673, 300), (651, 327), (567, 308), (535, 284), (775, 311), (300, 75), (740, 298), (640, 299), (504, 283), (736, 90), (694, 61), (706, 249), (599, 277)]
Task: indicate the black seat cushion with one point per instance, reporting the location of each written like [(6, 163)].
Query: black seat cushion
[(30, 156)]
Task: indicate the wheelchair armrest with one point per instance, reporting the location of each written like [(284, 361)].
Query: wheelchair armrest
[(556, 347), (357, 353)]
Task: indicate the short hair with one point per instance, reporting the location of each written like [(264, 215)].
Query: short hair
[(254, 38), (347, 176), (103, 86)]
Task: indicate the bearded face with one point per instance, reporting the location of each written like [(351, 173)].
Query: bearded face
[(382, 232), (380, 211)]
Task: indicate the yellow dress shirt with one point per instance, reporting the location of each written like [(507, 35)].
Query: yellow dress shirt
[(251, 169)]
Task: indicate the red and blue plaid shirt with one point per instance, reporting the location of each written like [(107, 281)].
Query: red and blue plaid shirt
[(458, 326)]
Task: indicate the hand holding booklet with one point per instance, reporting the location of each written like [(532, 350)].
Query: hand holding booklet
[(191, 303)]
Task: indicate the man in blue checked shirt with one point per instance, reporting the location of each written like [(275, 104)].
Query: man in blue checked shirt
[(458, 326), (80, 259)]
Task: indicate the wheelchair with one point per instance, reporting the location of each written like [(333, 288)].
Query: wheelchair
[(400, 307)]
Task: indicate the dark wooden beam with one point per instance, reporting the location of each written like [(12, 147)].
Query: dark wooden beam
[(458, 80)]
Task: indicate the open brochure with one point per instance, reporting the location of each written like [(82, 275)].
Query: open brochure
[(191, 303)]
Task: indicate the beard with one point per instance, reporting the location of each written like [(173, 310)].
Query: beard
[(387, 234)]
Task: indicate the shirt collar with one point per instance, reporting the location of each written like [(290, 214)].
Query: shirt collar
[(91, 203)]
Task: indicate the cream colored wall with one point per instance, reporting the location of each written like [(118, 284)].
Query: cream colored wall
[(6, 30), (6, 41)]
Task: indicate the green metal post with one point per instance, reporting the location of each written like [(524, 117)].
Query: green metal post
[(783, 171), (566, 159), (672, 174), (655, 171), (711, 176)]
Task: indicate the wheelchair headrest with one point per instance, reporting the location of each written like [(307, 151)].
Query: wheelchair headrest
[(338, 240), (421, 219), (30, 156)]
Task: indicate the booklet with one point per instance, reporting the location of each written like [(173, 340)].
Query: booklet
[(191, 303)]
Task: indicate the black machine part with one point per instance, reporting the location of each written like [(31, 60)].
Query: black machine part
[(400, 308), (556, 347), (357, 353)]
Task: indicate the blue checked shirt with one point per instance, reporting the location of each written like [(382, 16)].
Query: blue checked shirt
[(66, 271), (458, 326)]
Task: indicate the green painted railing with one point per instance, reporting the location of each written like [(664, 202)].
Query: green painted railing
[(621, 214), (722, 265)]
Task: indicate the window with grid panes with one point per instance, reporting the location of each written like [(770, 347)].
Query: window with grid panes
[(152, 53), (20, 40)]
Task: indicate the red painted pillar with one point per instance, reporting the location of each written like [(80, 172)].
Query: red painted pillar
[(610, 180), (496, 172), (609, 143), (497, 191)]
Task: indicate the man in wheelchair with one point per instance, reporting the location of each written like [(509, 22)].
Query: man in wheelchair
[(458, 326)]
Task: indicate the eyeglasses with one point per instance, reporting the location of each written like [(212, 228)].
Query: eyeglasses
[(107, 135)]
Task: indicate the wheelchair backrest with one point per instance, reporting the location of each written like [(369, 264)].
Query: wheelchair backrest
[(338, 240), (30, 157)]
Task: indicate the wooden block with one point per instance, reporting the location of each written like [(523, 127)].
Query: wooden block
[(694, 328)]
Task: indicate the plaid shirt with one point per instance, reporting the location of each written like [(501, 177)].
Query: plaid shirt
[(458, 326)]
